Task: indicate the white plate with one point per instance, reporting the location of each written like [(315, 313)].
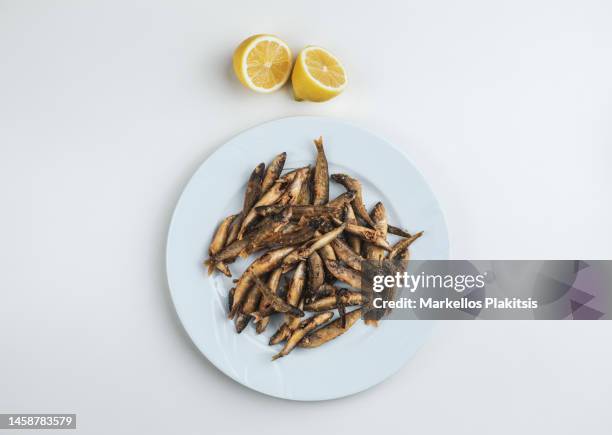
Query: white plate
[(355, 361)]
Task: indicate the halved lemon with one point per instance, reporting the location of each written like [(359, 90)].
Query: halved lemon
[(262, 63), (317, 75)]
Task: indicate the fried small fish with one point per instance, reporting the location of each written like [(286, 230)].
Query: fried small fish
[(344, 274), (273, 171), (293, 297), (230, 252), (345, 298), (280, 335), (244, 317), (304, 252), (220, 236), (346, 254), (379, 217), (369, 235), (276, 302), (298, 211), (217, 243), (330, 331), (234, 229), (320, 184), (290, 196), (352, 184), (323, 291), (264, 264), (297, 237), (304, 328), (273, 283), (253, 189), (268, 230), (316, 273), (342, 200), (270, 197), (305, 196), (327, 252)]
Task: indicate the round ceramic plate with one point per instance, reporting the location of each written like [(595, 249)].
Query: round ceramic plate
[(357, 360)]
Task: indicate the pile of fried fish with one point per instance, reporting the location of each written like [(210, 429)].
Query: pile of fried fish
[(307, 244)]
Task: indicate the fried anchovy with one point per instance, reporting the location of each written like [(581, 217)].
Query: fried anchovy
[(244, 316), (266, 263), (305, 327), (251, 196), (273, 283), (327, 252), (280, 335), (253, 189), (316, 273), (346, 298), (220, 236), (289, 176), (259, 236), (276, 302), (321, 176), (306, 251), (369, 235), (241, 321), (290, 196), (344, 274), (353, 241), (218, 242), (403, 245), (398, 231), (295, 292), (273, 171), (224, 269), (353, 184), (324, 291), (379, 217), (298, 211), (293, 297), (285, 214), (271, 196), (293, 238), (346, 254), (342, 200), (330, 331), (305, 196), (322, 241), (229, 253), (234, 229), (375, 253)]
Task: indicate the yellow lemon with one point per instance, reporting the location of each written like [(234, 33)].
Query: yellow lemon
[(317, 75), (262, 63)]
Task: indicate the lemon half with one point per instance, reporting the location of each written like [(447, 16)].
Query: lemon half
[(317, 75), (262, 63)]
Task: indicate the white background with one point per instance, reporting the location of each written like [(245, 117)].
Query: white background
[(107, 107)]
